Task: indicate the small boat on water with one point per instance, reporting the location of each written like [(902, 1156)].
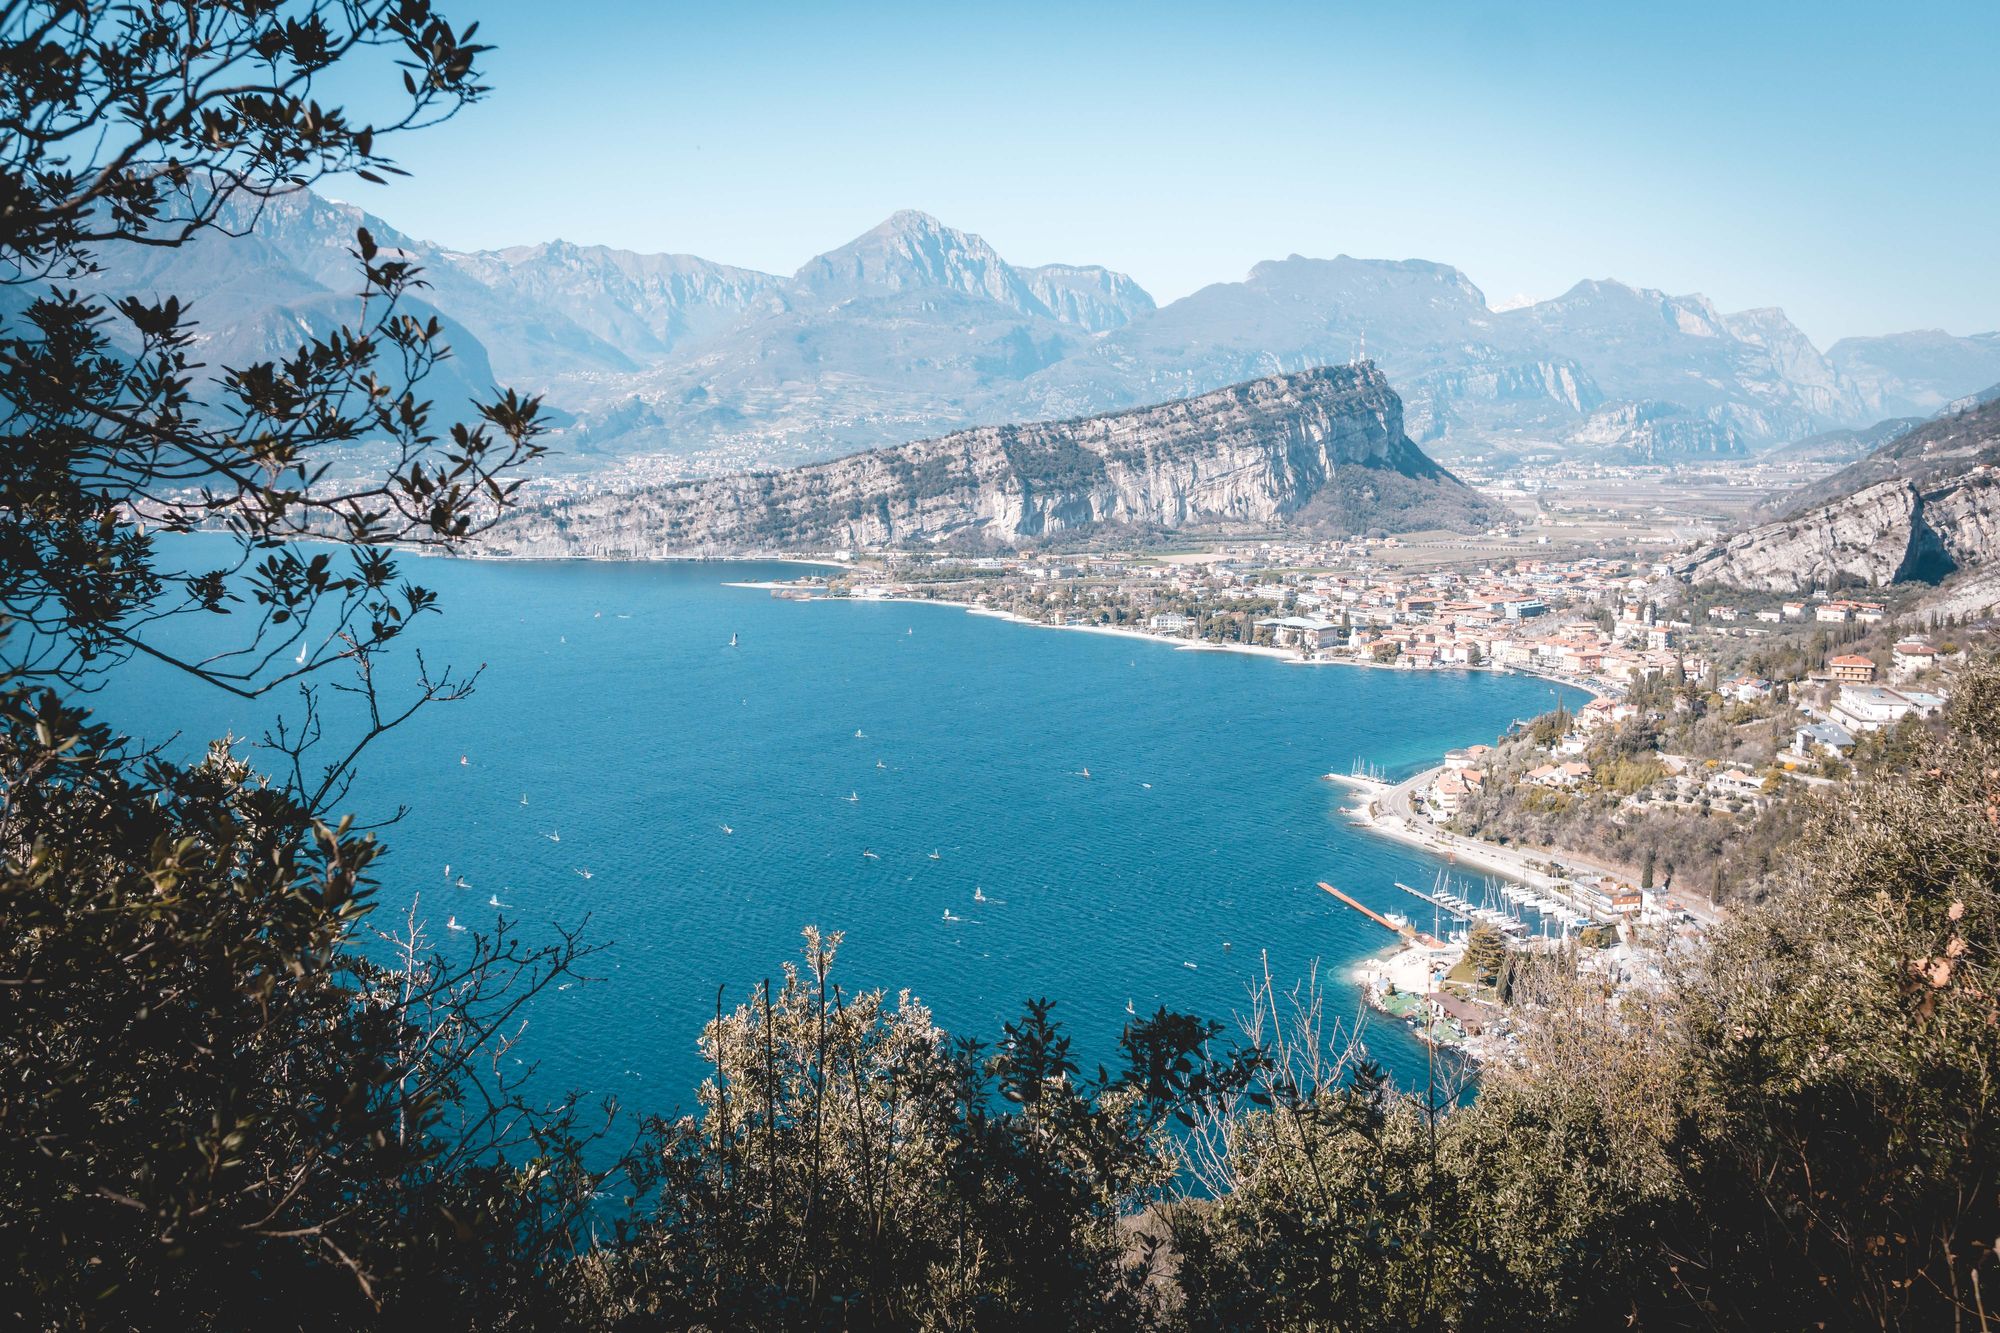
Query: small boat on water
[(880, 764), (583, 872), (853, 796), (860, 735), (1084, 774), (494, 901), (451, 923), (1129, 1009), (727, 829), (524, 798), (464, 761), (732, 641), (950, 917), (978, 894), (870, 855), (935, 856), (553, 835), (461, 883)]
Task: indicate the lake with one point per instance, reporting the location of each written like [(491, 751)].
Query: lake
[(869, 767)]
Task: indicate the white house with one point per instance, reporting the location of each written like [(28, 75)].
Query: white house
[(1873, 707), (1911, 656)]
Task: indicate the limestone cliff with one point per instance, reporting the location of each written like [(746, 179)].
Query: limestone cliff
[(1921, 507), (1323, 448)]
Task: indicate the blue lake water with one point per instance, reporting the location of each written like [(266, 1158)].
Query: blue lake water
[(611, 701)]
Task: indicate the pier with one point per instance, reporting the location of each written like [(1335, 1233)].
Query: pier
[(1457, 908), (1406, 930)]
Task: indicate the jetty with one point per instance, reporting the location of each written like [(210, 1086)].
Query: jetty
[(1454, 906), (1403, 928)]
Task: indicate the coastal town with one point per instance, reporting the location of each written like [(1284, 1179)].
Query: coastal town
[(1590, 843)]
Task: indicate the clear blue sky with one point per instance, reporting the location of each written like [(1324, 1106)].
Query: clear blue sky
[(1836, 159)]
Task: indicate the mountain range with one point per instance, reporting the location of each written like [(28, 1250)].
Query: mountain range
[(915, 328)]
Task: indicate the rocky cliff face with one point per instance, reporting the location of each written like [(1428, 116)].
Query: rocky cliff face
[(1874, 537), (1326, 444), (1088, 296), (1650, 430), (1922, 507), (646, 306)]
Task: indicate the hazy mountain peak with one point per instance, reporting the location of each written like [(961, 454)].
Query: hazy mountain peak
[(1609, 300), (914, 220), (1348, 274), (910, 251), (913, 251)]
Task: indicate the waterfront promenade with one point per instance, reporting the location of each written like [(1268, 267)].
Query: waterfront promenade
[(1389, 809)]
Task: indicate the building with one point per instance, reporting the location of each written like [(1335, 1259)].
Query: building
[(1874, 707), (1746, 689), (1736, 784), (1852, 669), (1169, 622), (1827, 738), (1305, 631), (1470, 1016), (1911, 656), (1453, 789)]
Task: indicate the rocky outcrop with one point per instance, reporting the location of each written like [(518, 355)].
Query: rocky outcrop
[(1923, 506), (1324, 446), (1873, 538)]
